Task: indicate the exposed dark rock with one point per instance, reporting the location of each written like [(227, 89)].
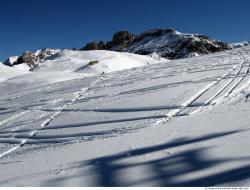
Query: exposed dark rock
[(101, 45), (93, 62), (27, 57), (120, 40), (94, 46), (122, 37), (91, 46)]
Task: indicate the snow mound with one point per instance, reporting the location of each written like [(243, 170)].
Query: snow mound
[(7, 72), (95, 62)]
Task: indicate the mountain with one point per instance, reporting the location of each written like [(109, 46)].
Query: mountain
[(168, 43)]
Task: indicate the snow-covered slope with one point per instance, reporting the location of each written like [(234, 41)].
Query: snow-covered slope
[(178, 123), (8, 72), (62, 65), (103, 61)]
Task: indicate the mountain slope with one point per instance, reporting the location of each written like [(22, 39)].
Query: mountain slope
[(178, 123)]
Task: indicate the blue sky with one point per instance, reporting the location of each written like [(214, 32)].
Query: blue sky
[(35, 24)]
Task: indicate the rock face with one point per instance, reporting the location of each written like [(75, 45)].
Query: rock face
[(94, 46), (120, 41), (167, 43), (27, 57)]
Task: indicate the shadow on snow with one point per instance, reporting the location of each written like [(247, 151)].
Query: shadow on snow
[(164, 171)]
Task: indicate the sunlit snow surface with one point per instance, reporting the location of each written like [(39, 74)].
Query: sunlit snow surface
[(177, 123)]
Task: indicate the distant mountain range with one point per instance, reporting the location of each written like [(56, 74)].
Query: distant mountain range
[(167, 43)]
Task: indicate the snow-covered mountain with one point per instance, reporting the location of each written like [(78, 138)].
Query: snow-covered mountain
[(168, 43), (95, 62), (240, 44), (177, 123)]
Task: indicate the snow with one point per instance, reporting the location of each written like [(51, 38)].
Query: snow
[(241, 44), (108, 61), (7, 72), (175, 123)]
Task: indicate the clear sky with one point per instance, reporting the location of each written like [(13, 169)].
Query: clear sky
[(35, 24)]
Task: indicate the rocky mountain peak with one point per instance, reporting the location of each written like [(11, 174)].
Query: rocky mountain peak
[(30, 58), (168, 43)]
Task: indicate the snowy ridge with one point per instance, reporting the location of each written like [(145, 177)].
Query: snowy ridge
[(241, 44)]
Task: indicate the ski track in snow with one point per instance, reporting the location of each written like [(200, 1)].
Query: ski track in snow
[(77, 95), (227, 87), (188, 104)]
